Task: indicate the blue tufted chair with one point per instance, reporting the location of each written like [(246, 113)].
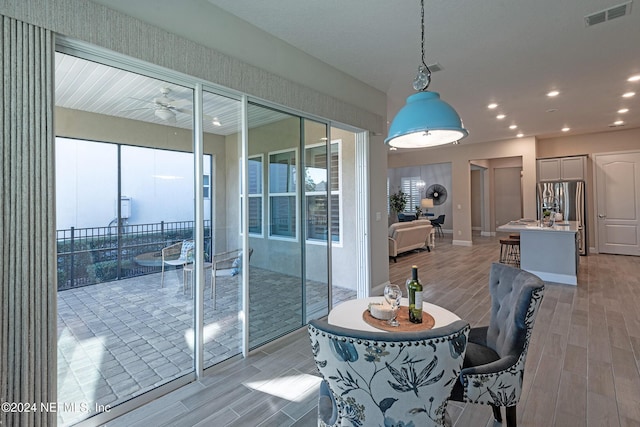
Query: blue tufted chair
[(493, 366), (386, 379)]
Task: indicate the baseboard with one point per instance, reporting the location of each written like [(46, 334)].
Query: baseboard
[(462, 243), (488, 233)]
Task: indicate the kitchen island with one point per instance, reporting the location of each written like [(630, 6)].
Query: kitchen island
[(550, 253)]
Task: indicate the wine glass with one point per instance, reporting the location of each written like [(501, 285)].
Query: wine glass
[(393, 294)]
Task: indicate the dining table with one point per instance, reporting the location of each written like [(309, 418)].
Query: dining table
[(351, 314)]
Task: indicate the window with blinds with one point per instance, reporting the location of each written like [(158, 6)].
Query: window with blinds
[(409, 186), (255, 194), (316, 192), (282, 194)]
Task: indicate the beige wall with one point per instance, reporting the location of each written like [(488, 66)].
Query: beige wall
[(511, 153), (97, 127), (284, 135), (590, 144), (461, 156), (342, 257)]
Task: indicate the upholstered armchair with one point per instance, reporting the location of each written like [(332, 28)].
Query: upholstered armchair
[(493, 367), (384, 379)]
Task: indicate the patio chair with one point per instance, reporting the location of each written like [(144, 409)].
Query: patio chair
[(178, 254), (226, 264), (187, 272)]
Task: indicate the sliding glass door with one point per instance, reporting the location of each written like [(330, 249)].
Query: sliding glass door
[(289, 268), (275, 276), (125, 222), (128, 222), (317, 204), (222, 331)]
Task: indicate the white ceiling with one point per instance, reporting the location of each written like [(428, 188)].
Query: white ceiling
[(96, 88), (509, 52)]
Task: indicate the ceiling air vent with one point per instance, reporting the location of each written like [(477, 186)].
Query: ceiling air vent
[(434, 67), (608, 14)]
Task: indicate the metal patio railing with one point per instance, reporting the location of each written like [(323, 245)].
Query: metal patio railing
[(87, 256)]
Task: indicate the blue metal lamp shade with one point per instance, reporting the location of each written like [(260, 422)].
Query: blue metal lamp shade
[(425, 121)]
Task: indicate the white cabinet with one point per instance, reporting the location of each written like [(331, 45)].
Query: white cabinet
[(562, 169), (549, 170)]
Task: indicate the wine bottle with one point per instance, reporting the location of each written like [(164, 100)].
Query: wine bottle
[(414, 289)]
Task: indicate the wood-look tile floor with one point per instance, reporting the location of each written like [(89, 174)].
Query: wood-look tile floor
[(582, 367)]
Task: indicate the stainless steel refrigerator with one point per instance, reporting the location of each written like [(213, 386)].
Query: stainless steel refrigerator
[(567, 198)]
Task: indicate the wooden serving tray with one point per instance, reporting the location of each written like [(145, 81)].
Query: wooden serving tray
[(403, 318)]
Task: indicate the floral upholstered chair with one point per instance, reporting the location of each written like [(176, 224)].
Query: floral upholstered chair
[(386, 379), (494, 361)]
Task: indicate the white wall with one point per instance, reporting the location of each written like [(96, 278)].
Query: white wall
[(83, 203)]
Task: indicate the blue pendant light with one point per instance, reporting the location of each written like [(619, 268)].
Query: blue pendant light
[(425, 120)]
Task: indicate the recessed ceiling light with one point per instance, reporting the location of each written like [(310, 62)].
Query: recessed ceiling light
[(623, 110), (628, 94), (552, 110), (618, 122), (520, 135), (513, 127), (566, 129), (492, 106), (553, 93), (635, 78), (500, 116)]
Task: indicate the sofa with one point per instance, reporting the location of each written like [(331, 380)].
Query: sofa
[(407, 236)]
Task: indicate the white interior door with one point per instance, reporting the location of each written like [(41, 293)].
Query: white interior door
[(618, 203)]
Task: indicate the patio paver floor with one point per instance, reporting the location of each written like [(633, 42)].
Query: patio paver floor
[(117, 340)]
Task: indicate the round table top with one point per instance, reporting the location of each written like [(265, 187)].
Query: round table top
[(349, 313), (149, 259)]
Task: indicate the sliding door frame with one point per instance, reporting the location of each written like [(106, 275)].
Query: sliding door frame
[(103, 56)]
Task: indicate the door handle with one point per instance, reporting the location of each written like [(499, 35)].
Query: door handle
[(601, 216)]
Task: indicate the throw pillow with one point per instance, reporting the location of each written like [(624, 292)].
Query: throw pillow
[(237, 264), (186, 252)]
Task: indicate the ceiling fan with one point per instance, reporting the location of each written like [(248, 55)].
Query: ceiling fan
[(164, 107)]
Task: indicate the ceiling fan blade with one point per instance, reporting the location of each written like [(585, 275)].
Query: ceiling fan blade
[(182, 110), (137, 109), (177, 103)]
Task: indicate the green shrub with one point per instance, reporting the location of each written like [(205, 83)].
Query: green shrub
[(105, 271)]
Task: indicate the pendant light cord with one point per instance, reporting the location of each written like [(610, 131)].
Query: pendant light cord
[(424, 73), (422, 20)]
